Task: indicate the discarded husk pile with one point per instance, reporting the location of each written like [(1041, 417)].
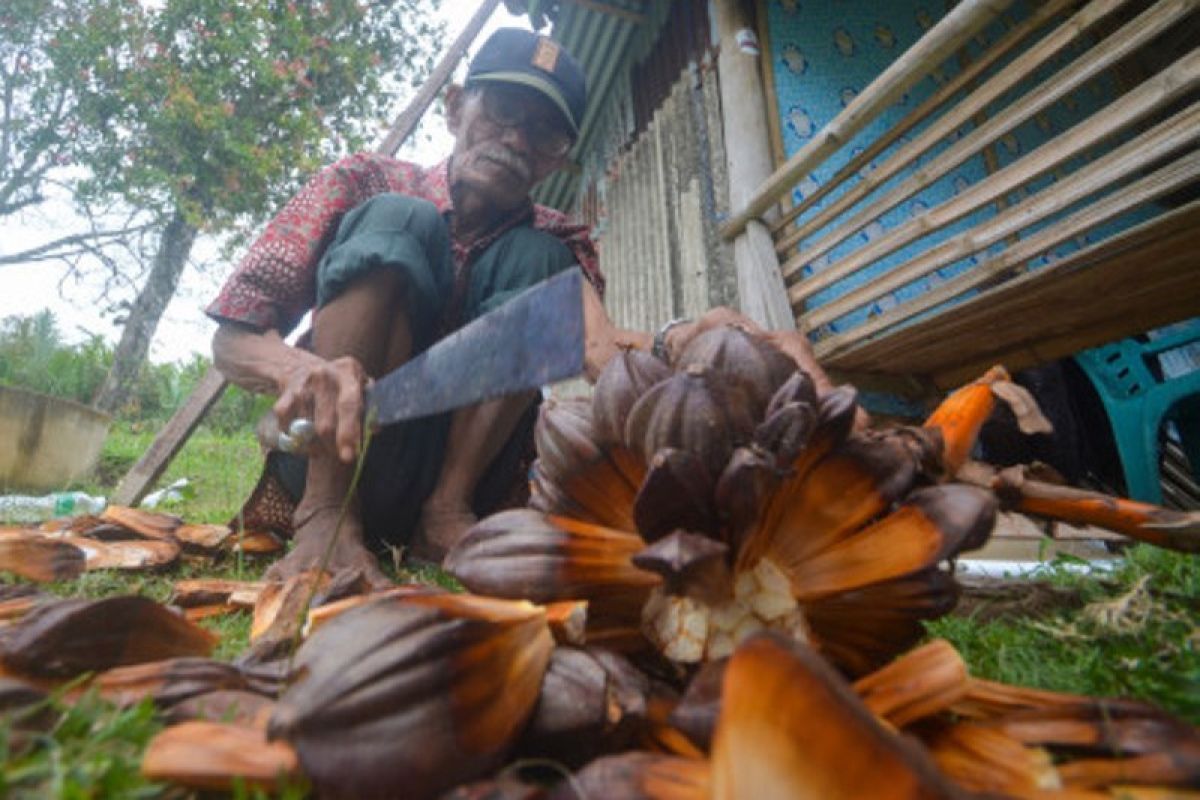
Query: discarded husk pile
[(694, 504), (119, 538)]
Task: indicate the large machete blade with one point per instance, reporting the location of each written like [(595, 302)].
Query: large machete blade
[(532, 340)]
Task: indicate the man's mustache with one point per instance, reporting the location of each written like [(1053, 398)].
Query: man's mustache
[(505, 157)]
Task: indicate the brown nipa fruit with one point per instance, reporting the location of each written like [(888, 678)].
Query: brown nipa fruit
[(694, 410), (591, 702), (746, 360), (677, 493), (421, 692), (68, 637), (622, 381), (573, 472)]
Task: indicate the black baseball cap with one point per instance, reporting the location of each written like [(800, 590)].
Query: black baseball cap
[(525, 58)]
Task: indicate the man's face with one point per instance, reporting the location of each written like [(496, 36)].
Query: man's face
[(507, 139)]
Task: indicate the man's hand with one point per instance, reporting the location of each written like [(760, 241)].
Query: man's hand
[(330, 393), (679, 336)]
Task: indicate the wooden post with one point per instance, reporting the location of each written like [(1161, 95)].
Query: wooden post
[(174, 435), (170, 440), (942, 40), (407, 120), (761, 291)]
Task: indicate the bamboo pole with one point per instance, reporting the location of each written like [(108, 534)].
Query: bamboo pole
[(1168, 85), (762, 295), (1162, 182), (980, 98), (408, 119), (1167, 137), (1091, 64), (963, 22), (174, 435), (1011, 39)]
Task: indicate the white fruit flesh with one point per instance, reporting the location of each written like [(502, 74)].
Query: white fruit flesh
[(688, 630)]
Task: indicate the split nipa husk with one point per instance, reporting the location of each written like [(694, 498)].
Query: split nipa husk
[(219, 756), (64, 638), (1162, 527), (768, 742), (34, 557), (413, 694), (592, 701)]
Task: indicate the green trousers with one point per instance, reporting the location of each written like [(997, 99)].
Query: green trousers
[(408, 235)]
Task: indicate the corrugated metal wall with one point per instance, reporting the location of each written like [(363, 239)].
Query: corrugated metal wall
[(651, 178), (655, 211)]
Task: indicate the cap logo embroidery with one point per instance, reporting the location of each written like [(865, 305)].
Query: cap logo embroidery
[(545, 55)]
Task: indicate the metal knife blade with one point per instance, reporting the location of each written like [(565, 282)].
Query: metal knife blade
[(534, 339)]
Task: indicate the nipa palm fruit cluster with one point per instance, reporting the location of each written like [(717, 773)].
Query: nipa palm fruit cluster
[(705, 539), (693, 504)]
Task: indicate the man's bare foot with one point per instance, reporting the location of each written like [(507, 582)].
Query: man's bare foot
[(441, 527), (314, 530)]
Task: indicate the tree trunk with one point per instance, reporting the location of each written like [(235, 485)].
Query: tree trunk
[(173, 249)]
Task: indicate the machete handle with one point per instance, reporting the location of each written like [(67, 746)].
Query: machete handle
[(299, 437)]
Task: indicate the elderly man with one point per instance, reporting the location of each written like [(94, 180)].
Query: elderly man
[(393, 256)]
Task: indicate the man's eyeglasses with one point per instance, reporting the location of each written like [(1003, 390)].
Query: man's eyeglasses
[(510, 110)]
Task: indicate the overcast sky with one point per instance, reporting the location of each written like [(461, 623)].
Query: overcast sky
[(27, 289)]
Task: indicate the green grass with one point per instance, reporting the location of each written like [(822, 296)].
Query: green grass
[(92, 749), (1148, 647), (221, 469), (1138, 635)]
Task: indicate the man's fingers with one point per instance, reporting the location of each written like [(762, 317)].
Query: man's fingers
[(349, 420), (325, 403), (285, 408)]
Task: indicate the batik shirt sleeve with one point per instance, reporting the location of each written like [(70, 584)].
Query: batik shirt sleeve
[(275, 283)]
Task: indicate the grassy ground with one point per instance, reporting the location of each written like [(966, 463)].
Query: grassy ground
[(1131, 632)]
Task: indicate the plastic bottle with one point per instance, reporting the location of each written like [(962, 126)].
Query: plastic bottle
[(25, 508)]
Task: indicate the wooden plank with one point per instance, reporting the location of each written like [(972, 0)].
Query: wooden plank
[(1085, 68), (1166, 180), (938, 44), (1138, 280), (1115, 167), (774, 118), (976, 100), (171, 439), (761, 293)]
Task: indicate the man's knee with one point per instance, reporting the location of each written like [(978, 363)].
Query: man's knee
[(397, 234), (531, 255), (392, 211), (520, 259)]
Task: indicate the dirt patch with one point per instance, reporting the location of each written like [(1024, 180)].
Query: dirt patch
[(990, 599)]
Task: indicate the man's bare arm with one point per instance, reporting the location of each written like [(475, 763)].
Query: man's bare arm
[(328, 392), (255, 360), (602, 338)]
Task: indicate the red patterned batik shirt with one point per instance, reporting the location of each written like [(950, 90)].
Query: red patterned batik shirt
[(276, 282)]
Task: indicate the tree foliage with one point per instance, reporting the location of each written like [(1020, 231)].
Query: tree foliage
[(35, 355), (217, 108), (36, 122), (199, 116)]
